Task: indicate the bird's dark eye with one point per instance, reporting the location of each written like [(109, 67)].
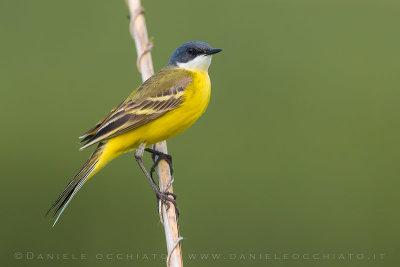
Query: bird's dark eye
[(191, 51)]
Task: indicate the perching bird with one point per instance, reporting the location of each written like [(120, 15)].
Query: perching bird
[(162, 107)]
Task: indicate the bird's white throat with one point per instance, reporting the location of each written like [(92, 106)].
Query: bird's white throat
[(199, 63)]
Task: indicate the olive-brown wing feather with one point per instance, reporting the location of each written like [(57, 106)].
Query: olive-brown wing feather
[(134, 114)]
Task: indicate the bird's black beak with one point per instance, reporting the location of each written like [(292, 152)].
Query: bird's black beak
[(213, 51)]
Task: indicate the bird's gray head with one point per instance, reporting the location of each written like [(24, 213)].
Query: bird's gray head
[(193, 55)]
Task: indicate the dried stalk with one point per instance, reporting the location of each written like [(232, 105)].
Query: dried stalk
[(168, 217)]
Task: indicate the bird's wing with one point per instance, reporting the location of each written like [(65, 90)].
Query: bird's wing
[(161, 93)]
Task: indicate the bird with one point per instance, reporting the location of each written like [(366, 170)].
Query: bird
[(165, 105)]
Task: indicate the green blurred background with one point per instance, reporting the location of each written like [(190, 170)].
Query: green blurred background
[(298, 152)]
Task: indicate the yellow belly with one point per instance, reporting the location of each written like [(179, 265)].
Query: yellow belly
[(195, 101)]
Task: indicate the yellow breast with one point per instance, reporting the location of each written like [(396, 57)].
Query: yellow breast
[(196, 97), (195, 102)]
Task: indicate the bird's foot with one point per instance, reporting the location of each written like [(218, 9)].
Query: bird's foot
[(166, 198), (160, 156)]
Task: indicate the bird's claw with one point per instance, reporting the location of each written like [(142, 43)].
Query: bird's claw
[(166, 198), (160, 156)]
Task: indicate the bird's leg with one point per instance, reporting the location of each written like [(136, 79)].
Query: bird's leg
[(164, 197), (157, 156), (138, 157), (160, 156)]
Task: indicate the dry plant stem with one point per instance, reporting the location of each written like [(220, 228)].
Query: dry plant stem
[(168, 217)]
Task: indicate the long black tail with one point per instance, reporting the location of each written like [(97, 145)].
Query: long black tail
[(62, 201)]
